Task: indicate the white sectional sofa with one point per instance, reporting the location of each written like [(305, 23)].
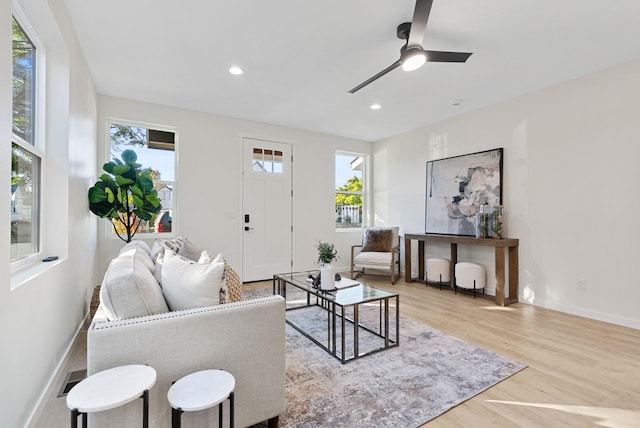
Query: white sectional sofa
[(245, 338)]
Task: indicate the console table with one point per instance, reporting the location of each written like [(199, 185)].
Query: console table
[(453, 240)]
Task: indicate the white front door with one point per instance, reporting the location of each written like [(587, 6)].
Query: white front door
[(266, 202)]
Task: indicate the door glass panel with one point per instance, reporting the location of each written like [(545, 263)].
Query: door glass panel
[(277, 162), (258, 162)]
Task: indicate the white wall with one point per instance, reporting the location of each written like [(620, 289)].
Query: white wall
[(209, 180), (39, 318), (570, 178)]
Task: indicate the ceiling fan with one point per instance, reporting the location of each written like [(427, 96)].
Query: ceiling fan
[(412, 55)]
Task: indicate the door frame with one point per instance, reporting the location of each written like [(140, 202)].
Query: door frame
[(268, 138)]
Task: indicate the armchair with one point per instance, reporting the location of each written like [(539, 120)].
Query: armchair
[(380, 249)]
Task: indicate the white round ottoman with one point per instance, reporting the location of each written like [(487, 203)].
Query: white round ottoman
[(438, 270), (470, 275)]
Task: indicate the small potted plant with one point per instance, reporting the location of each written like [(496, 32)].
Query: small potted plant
[(327, 254)]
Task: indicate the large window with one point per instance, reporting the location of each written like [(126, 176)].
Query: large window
[(349, 190), (155, 150), (26, 158)]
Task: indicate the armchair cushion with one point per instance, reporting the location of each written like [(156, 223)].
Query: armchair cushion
[(378, 240), (373, 259)]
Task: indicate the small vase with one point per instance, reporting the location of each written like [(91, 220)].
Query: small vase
[(497, 227), (482, 223), (327, 278)]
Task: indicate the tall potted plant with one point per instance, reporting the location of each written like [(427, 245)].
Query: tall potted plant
[(125, 195), (327, 254)]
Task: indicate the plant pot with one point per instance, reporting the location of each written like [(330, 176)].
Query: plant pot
[(327, 277)]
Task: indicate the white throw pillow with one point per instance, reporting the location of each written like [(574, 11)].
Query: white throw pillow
[(129, 289), (206, 257), (187, 284)]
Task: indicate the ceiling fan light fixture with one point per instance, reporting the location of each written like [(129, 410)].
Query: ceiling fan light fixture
[(414, 59)]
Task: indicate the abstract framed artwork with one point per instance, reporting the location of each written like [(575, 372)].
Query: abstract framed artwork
[(457, 186)]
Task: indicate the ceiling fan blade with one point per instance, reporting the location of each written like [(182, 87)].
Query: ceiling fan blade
[(419, 22), (376, 77), (441, 56)]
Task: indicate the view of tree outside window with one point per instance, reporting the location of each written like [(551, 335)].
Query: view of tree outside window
[(349, 193), (155, 153), (26, 158)]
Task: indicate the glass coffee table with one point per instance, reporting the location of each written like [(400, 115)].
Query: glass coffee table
[(357, 315)]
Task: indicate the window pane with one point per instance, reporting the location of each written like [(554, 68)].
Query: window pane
[(25, 168), (349, 185), (23, 84), (155, 150), (277, 162), (258, 163)]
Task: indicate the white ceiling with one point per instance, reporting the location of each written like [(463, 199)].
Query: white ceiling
[(302, 56)]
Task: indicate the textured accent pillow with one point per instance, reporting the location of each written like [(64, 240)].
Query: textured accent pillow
[(190, 251), (232, 286), (187, 284), (129, 289), (173, 244), (377, 240)]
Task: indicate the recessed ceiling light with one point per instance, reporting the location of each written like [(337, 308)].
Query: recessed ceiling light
[(375, 107), (236, 71)]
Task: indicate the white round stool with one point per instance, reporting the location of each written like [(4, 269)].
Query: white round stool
[(438, 270), (201, 390), (109, 389), (469, 276)]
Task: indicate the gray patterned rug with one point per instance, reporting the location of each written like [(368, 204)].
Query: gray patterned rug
[(428, 374)]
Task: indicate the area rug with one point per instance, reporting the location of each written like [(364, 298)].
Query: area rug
[(406, 386)]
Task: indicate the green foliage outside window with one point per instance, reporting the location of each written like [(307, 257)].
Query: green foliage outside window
[(354, 184)]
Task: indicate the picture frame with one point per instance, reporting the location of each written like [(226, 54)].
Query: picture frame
[(456, 188)]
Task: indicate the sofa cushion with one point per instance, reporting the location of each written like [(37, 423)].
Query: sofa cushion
[(379, 240), (136, 244), (187, 284), (129, 289)]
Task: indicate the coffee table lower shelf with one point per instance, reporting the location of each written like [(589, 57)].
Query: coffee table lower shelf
[(335, 304)]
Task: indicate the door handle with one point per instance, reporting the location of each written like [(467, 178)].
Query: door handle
[(247, 228)]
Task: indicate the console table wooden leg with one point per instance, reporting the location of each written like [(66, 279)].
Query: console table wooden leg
[(500, 276), (407, 260), (421, 276), (513, 275)]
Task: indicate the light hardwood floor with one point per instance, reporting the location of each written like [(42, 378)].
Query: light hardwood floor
[(581, 373)]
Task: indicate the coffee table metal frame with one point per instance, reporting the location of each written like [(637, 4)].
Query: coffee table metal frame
[(342, 299)]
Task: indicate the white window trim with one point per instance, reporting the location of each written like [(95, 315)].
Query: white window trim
[(39, 133), (108, 234)]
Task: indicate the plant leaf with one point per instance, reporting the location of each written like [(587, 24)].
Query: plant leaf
[(123, 181)]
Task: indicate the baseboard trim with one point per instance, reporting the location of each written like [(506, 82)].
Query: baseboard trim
[(57, 375)]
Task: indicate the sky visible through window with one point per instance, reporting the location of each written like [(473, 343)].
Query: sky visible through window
[(135, 139), (343, 171), (159, 160)]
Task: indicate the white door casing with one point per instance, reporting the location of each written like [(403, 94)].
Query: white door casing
[(266, 201)]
